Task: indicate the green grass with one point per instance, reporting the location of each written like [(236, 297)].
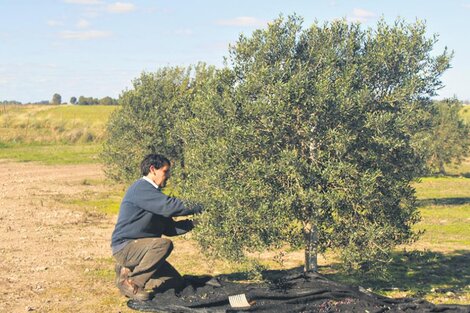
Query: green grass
[(51, 154), (105, 202), (435, 276), (447, 228), (443, 188), (53, 134)]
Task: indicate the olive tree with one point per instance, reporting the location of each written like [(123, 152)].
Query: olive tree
[(311, 138), (308, 137), (146, 121), (450, 135)]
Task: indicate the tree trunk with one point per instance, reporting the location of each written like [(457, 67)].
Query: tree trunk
[(311, 248), (442, 169)]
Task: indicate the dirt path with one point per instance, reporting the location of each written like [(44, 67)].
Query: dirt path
[(51, 256)]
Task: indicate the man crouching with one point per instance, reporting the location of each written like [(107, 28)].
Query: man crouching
[(145, 215)]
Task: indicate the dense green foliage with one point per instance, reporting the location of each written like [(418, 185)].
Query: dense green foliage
[(310, 137), (450, 135), (146, 121)]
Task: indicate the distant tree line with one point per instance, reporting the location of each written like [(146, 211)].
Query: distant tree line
[(13, 102), (57, 99), (93, 101)]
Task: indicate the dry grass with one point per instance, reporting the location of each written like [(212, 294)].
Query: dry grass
[(52, 124)]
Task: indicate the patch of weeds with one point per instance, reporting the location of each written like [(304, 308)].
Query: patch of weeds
[(101, 274), (101, 269), (106, 202), (86, 182), (103, 205)]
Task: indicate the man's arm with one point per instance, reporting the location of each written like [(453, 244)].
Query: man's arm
[(153, 200)]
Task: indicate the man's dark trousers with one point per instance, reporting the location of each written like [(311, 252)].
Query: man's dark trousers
[(146, 258)]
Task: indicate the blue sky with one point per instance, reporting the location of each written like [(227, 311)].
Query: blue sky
[(96, 48)]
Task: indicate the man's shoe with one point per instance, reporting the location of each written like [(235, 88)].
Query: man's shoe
[(214, 282), (131, 290), (122, 273)]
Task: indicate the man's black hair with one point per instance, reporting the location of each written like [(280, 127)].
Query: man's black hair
[(157, 160)]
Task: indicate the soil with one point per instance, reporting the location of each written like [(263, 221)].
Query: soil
[(50, 254)]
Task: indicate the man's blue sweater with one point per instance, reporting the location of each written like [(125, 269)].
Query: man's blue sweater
[(146, 212)]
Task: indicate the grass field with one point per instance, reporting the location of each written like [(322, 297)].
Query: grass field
[(51, 153), (62, 134), (436, 267), (465, 113), (65, 124)]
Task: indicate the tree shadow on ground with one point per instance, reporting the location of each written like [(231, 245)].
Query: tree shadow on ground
[(466, 175), (417, 272), (266, 275), (444, 201)]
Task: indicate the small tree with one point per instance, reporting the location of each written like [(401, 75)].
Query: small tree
[(82, 100), (450, 136), (312, 140), (311, 137), (73, 100), (147, 118), (56, 99)]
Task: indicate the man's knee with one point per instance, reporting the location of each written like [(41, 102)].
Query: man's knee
[(163, 244)]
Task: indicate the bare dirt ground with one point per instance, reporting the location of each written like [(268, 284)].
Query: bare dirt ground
[(51, 256)]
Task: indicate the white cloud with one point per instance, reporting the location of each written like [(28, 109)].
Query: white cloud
[(53, 23), (361, 15), (466, 5), (242, 21), (84, 35), (121, 7), (83, 1), (83, 23)]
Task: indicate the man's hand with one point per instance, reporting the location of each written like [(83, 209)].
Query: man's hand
[(178, 228), (196, 208)]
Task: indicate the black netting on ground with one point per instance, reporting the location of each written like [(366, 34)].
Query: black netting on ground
[(295, 293)]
